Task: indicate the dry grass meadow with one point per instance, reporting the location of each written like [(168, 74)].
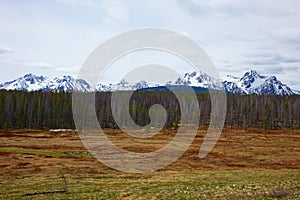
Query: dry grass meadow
[(251, 164)]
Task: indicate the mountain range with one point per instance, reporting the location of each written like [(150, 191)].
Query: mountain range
[(250, 83)]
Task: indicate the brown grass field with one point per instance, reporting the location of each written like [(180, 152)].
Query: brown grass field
[(251, 164)]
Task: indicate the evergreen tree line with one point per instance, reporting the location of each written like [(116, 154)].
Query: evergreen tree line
[(49, 110)]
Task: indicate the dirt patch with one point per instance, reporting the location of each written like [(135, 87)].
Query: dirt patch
[(26, 157)]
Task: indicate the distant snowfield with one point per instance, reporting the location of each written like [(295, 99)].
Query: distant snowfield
[(61, 130)]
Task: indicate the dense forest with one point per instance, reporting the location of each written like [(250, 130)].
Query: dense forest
[(48, 110)]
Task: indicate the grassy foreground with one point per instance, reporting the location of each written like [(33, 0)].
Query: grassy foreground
[(252, 164)]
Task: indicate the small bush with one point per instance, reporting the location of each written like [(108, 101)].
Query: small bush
[(278, 193)]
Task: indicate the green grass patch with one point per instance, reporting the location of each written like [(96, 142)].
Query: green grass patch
[(47, 152)]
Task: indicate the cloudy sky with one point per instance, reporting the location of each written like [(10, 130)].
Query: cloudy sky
[(54, 37)]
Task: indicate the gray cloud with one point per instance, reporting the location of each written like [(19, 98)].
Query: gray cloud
[(195, 9), (291, 68), (271, 70), (232, 8), (266, 58), (5, 50), (41, 65), (286, 35)]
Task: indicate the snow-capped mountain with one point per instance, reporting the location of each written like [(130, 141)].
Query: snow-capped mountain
[(250, 83), (196, 79), (31, 82), (296, 92), (255, 83), (273, 86), (124, 85), (67, 83)]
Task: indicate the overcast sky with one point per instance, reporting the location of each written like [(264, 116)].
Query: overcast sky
[(54, 37)]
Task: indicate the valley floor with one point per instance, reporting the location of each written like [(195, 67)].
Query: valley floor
[(252, 164)]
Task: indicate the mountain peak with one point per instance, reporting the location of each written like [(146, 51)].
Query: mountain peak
[(272, 78), (252, 74), (273, 86), (251, 83), (33, 76), (29, 75), (252, 71)]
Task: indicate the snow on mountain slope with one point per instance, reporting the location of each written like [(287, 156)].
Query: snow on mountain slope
[(273, 86), (124, 85), (296, 92), (67, 83), (255, 83), (250, 83), (196, 79), (29, 82), (232, 87)]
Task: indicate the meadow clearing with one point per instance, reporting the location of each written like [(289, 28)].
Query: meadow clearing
[(245, 164)]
